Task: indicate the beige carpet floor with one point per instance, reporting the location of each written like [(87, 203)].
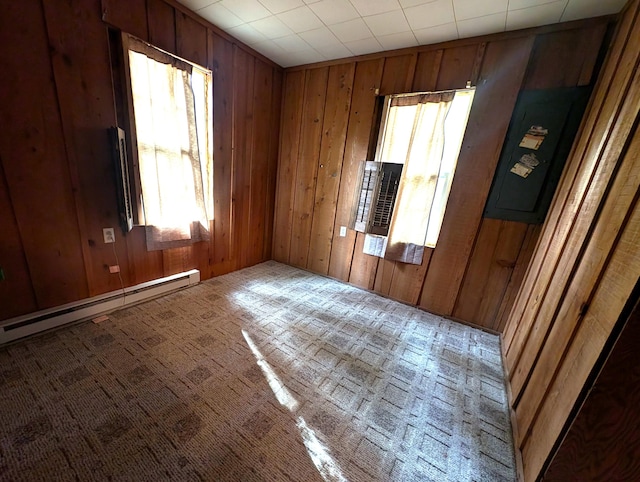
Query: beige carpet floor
[(266, 374)]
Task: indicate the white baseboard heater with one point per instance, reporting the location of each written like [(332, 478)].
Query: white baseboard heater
[(32, 323)]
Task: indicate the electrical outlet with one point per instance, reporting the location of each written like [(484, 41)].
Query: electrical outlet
[(109, 235), (343, 231), (114, 269)]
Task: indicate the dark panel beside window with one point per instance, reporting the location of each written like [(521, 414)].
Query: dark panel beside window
[(543, 127)]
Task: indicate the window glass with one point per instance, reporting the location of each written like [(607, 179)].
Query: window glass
[(173, 129)]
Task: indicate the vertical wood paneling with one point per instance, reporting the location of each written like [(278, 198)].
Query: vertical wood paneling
[(16, 292), (274, 145), (504, 259), (456, 67), (334, 129), (427, 69), (223, 82), (191, 39), (576, 50), (161, 18), (613, 291), (57, 132), (363, 267), (586, 262), (129, 16), (367, 80), (262, 90), (243, 134), (315, 91), (398, 74), (495, 97), (34, 159), (384, 276), (406, 283), (564, 244), (143, 265), (494, 258), (86, 116), (519, 271), (177, 260), (589, 128), (578, 293), (287, 164), (602, 441), (571, 304)]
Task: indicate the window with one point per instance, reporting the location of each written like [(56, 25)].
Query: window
[(404, 192), (171, 132)]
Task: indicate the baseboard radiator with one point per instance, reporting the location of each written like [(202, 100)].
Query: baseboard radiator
[(39, 321)]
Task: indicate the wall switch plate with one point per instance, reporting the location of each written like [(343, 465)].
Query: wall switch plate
[(343, 231), (109, 235)]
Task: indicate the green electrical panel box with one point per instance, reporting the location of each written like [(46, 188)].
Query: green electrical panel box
[(543, 127)]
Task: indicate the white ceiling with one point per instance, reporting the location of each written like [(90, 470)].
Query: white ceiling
[(295, 32)]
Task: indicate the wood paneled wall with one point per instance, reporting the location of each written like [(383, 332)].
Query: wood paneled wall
[(57, 183), (476, 268), (586, 262), (603, 442)]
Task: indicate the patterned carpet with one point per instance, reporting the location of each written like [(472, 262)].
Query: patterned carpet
[(266, 374)]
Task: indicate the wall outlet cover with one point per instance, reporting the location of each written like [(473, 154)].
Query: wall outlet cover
[(343, 231), (109, 235)]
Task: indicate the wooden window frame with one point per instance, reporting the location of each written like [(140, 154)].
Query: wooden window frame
[(120, 45)]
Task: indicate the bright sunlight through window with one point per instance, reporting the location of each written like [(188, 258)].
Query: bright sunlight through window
[(423, 134)]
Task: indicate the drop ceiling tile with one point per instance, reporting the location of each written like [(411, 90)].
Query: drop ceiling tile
[(482, 25), (247, 34), (197, 4), (320, 37), (271, 27), (430, 14), (247, 10), (220, 16), (301, 19), (279, 6), (413, 3), (535, 16), (283, 59), (466, 9), (269, 48), (354, 29), (398, 40), (365, 46), (577, 9), (387, 23), (518, 4), (303, 57), (302, 26), (334, 11), (292, 43), (374, 7), (337, 51), (439, 33)]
